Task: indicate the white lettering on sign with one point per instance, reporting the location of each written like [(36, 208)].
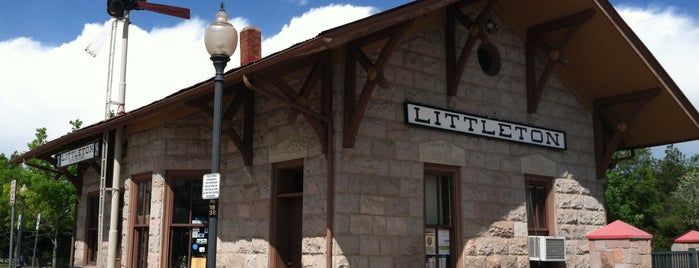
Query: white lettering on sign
[(77, 155), (211, 185), (421, 115)]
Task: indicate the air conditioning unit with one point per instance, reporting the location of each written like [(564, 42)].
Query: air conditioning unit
[(547, 248)]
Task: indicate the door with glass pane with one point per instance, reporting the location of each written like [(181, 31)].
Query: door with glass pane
[(188, 235)]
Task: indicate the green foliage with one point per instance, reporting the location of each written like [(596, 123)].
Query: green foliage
[(687, 193), (76, 124), (655, 195), (46, 193)]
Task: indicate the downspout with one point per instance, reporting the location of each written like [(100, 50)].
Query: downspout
[(330, 200), (330, 159)]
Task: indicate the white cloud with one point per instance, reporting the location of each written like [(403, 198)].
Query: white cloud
[(309, 24), (49, 86), (44, 86), (673, 38)]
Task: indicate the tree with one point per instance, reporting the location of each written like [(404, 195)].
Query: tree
[(688, 193), (55, 200), (76, 124), (47, 194), (645, 192), (631, 192), (7, 174)]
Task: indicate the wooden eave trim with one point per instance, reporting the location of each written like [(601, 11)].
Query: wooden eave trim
[(610, 129), (555, 54), (320, 121), (354, 111), (243, 97), (477, 31)]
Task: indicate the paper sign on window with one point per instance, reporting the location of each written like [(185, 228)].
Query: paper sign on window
[(430, 241), (443, 242)]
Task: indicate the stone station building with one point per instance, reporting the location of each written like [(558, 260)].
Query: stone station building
[(440, 133)]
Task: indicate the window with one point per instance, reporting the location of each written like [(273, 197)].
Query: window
[(187, 238), (489, 58), (140, 204), (287, 214), (91, 228), (442, 233), (539, 205)]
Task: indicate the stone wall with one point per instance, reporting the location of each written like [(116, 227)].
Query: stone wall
[(379, 191), (378, 219), (684, 246), (631, 253)]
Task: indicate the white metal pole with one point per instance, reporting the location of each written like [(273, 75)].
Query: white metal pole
[(105, 137), (116, 175), (36, 238), (13, 187)]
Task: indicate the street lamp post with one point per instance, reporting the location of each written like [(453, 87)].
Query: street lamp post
[(18, 254), (36, 238), (220, 40), (13, 186)]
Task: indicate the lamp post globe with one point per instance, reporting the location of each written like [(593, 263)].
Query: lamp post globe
[(220, 37), (221, 40)]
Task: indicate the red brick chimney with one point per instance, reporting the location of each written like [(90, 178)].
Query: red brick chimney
[(250, 45)]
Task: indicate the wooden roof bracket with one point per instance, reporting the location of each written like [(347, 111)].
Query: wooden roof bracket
[(299, 102), (610, 129), (477, 31), (243, 97), (73, 179), (554, 52), (354, 111), (320, 121)]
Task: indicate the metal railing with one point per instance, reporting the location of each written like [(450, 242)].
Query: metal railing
[(676, 259)]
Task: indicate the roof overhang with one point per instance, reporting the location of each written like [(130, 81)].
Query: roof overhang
[(605, 59)]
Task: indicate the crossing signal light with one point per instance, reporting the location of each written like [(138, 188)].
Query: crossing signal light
[(116, 8)]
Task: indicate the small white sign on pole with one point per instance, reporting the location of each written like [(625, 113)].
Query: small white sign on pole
[(13, 188), (211, 186)]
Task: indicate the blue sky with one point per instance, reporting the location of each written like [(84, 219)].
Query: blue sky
[(58, 21), (50, 36)]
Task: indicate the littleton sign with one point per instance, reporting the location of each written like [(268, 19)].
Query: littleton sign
[(82, 153), (421, 115)]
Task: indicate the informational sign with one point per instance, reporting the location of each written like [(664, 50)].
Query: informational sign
[(13, 188), (82, 153), (443, 242), (211, 186), (421, 115)]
